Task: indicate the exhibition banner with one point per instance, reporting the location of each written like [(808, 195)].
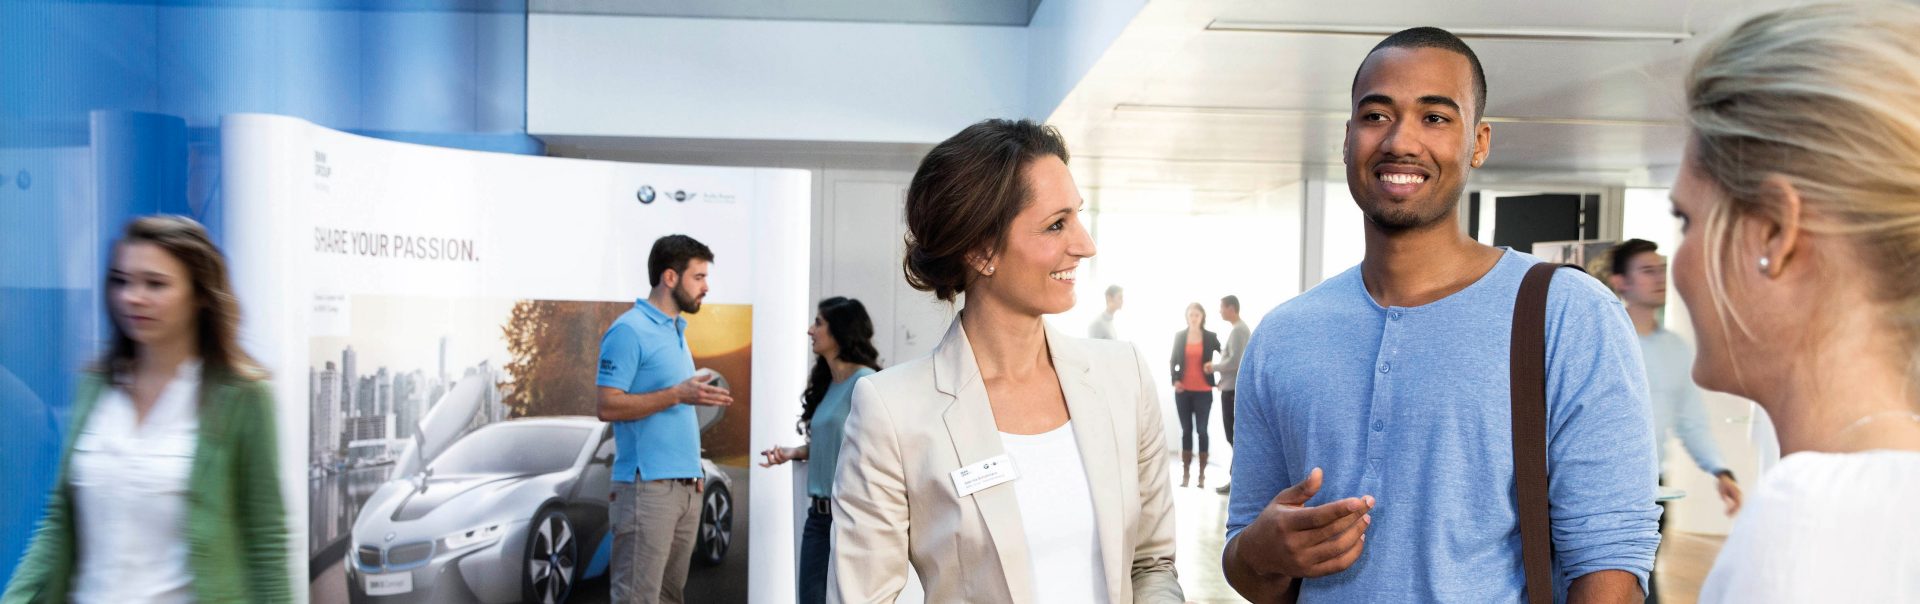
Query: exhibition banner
[(433, 320)]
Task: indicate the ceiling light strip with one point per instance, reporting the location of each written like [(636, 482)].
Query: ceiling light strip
[(1471, 33)]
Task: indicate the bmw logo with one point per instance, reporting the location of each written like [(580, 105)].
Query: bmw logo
[(390, 536), (679, 195), (646, 194)]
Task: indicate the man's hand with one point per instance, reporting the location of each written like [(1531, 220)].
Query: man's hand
[(696, 391), (1729, 493), (1301, 542)]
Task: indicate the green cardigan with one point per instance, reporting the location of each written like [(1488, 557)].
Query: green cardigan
[(236, 524)]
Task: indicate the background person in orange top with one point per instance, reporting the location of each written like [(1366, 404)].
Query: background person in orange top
[(1193, 350)]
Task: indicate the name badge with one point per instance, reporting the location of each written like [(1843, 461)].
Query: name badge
[(970, 479)]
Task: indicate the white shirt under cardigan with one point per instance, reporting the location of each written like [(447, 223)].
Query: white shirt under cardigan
[(129, 481), (1056, 512), (1825, 527)]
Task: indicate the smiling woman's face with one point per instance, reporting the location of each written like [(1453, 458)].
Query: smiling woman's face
[(1034, 272)]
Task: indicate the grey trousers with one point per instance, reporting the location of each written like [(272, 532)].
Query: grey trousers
[(653, 528)]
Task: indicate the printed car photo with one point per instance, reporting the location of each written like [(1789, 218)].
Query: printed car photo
[(513, 511)]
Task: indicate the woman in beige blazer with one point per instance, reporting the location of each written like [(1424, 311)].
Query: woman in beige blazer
[(1015, 464)]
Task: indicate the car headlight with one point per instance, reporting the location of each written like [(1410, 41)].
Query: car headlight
[(474, 537)]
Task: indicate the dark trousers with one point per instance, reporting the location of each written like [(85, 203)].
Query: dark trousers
[(1193, 408), (816, 549), (1226, 413), (1653, 586)]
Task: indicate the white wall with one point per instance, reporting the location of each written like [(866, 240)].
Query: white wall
[(768, 80), (659, 77)]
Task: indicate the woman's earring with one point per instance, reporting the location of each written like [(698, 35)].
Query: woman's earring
[(989, 270), (1765, 265)]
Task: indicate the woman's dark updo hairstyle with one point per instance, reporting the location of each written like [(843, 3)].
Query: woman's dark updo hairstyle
[(964, 197), (852, 329)]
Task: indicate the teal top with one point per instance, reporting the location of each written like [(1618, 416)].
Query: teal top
[(828, 425)]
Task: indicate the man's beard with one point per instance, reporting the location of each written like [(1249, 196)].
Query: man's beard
[(1395, 220), (687, 302)]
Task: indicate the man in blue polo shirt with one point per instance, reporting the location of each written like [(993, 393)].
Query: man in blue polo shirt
[(647, 390), (1374, 459)]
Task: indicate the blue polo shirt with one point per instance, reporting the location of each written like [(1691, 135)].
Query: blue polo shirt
[(1411, 405), (646, 351)]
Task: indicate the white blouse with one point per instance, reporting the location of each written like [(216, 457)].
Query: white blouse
[(1056, 512), (129, 481), (1826, 527)]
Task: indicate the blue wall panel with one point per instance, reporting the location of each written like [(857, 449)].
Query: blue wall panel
[(110, 110)]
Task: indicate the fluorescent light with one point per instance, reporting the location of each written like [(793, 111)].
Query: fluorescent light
[(1555, 34), (1270, 113)]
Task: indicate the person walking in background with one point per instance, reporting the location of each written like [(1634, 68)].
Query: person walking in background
[(1799, 195), (1229, 367), (1192, 364), (842, 337), (1373, 452), (647, 389), (1638, 273), (1015, 464), (1102, 326), (169, 490)]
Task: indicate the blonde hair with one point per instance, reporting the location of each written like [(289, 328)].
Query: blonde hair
[(1828, 97)]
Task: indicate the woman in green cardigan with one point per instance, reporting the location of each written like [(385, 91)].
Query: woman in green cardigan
[(168, 488)]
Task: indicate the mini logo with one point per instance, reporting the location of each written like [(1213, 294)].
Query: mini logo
[(680, 195), (645, 195)]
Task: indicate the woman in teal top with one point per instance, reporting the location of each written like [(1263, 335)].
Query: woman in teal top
[(168, 488), (843, 351)]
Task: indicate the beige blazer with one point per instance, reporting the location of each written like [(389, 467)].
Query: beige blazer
[(911, 425)]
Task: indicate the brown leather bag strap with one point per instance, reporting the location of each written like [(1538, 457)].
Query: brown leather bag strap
[(1529, 394)]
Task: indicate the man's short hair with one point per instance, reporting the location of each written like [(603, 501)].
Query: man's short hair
[(1113, 291), (1434, 37), (1231, 302), (1621, 255), (674, 252)]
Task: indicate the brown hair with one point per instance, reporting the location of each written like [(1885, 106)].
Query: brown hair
[(1622, 254), (217, 316), (964, 197), (1822, 95)]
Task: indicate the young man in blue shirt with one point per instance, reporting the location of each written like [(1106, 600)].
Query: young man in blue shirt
[(647, 389), (1374, 455)]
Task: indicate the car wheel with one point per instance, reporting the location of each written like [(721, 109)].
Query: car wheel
[(552, 557), (716, 526)]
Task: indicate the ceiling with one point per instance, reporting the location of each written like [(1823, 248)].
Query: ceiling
[(1230, 96)]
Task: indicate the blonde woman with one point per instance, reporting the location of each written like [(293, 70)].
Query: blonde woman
[(168, 490), (1800, 194)]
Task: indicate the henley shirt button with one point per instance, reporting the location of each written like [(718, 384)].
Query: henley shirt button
[(1383, 367), (1379, 425)]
